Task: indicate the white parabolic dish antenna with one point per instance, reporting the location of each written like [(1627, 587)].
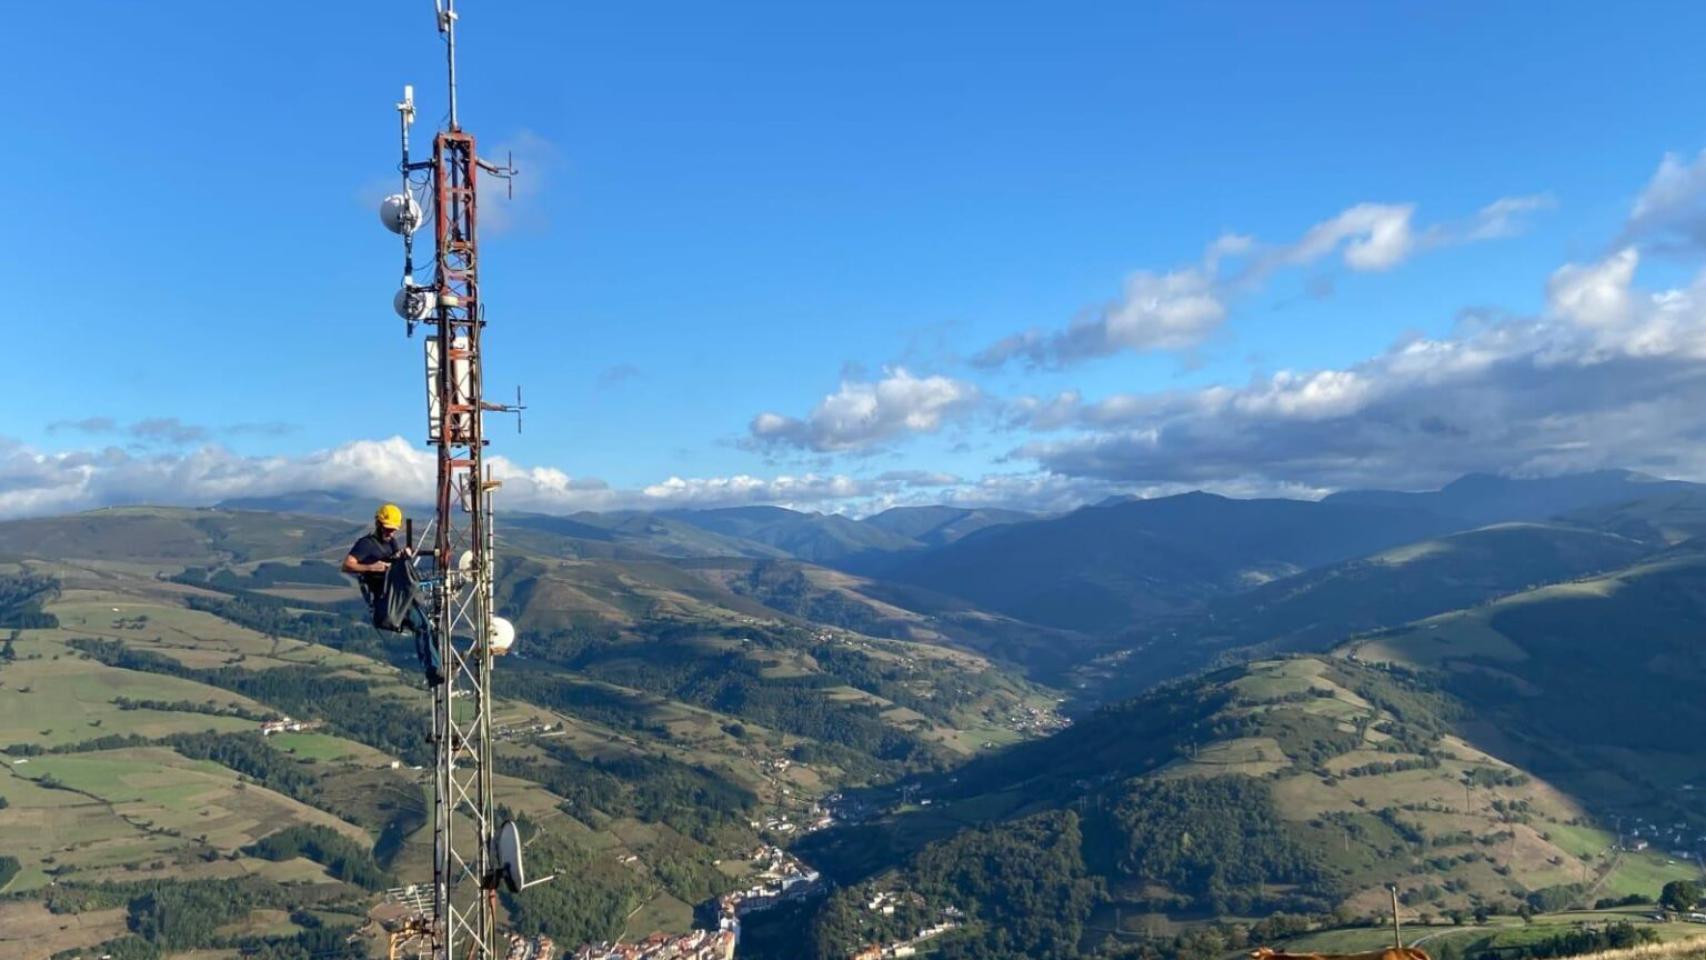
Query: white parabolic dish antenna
[(414, 303), (509, 856), (503, 635), (400, 212)]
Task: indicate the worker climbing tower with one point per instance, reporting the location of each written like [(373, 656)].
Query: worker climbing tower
[(473, 854)]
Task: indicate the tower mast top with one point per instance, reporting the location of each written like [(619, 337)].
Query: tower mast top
[(446, 11)]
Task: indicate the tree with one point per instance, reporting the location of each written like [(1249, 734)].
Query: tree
[(1482, 913), (1680, 895)]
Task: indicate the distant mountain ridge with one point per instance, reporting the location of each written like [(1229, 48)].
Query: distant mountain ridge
[(939, 525), (817, 537), (1481, 498), (1102, 568), (836, 539), (1105, 568)]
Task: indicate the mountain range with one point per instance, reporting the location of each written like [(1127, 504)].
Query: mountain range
[(1466, 689)]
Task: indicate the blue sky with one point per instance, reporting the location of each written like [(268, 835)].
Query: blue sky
[(732, 210)]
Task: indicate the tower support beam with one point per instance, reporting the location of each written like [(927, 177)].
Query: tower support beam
[(464, 828)]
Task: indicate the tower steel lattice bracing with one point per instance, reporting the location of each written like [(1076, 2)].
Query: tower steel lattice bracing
[(472, 852), (464, 832)]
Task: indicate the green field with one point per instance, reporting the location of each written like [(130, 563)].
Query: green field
[(1646, 873), (662, 912), (54, 696), (316, 746), (119, 807), (1499, 931)]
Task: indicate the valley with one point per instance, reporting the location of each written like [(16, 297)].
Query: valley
[(1195, 726)]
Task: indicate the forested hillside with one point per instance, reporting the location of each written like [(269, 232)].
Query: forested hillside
[(1296, 787), (689, 689), (651, 738)]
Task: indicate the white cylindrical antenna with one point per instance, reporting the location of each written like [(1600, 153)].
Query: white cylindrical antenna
[(406, 106), (409, 217), (447, 26)]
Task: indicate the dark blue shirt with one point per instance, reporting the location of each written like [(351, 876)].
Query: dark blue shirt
[(372, 549)]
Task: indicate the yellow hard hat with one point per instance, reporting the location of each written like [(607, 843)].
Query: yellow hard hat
[(389, 515)]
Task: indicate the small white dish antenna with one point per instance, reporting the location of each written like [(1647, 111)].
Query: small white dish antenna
[(414, 303), (465, 563), (503, 635), (400, 213)]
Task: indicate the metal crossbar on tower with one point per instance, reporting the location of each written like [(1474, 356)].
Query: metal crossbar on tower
[(472, 853)]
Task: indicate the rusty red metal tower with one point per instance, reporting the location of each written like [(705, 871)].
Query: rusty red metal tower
[(473, 854)]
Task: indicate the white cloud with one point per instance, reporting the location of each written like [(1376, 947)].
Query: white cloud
[(1181, 308), (34, 482), (1045, 413), (1164, 311), (861, 415), (1373, 236), (1595, 295), (730, 491), (1306, 396), (918, 479), (1609, 376), (1671, 208), (1501, 218), (37, 483), (516, 205)]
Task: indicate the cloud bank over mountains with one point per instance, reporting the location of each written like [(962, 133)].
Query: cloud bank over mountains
[(35, 483), (1609, 373), (1610, 376)]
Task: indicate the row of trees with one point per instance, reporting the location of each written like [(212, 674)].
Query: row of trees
[(22, 596), (342, 857)]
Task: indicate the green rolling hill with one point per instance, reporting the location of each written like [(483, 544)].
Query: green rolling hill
[(1473, 714), (1318, 609), (1590, 680), (1296, 785), (650, 717), (1480, 758)]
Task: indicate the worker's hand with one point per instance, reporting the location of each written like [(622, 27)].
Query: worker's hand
[(380, 566)]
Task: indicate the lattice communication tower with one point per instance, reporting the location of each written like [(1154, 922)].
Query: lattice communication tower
[(473, 854)]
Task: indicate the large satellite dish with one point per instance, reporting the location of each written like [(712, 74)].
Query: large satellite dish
[(509, 856)]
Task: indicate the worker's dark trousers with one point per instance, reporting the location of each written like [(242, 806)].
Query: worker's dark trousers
[(425, 646)]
